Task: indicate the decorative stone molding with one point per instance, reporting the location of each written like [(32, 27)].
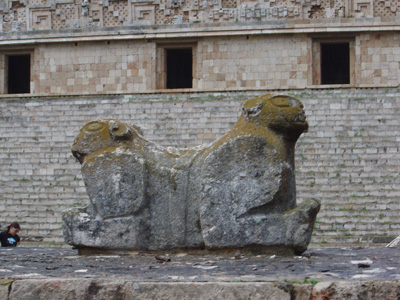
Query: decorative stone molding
[(40, 19), (362, 8), (144, 14)]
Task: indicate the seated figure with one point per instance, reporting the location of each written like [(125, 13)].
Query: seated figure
[(238, 192)]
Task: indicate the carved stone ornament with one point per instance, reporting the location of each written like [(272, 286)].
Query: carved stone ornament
[(238, 192)]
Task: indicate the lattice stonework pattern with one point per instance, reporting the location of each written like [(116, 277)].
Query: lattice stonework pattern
[(63, 13), (159, 15), (282, 3), (327, 9), (386, 8), (116, 14), (176, 11), (17, 16), (37, 2), (7, 23), (22, 18), (229, 3)]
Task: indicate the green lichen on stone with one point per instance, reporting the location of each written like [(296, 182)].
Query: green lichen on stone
[(6, 282)]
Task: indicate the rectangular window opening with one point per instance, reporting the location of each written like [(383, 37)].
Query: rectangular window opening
[(18, 74), (335, 63), (179, 68)]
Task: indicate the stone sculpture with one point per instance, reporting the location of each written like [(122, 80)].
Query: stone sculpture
[(239, 192)]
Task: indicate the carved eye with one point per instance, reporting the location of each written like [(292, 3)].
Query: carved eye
[(282, 101), (119, 130), (94, 126), (287, 102)]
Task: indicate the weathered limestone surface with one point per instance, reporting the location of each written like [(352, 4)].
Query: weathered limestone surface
[(356, 290), (121, 289), (70, 289), (237, 192), (4, 287)]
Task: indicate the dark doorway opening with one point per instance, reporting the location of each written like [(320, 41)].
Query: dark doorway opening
[(179, 68), (335, 63), (19, 74)]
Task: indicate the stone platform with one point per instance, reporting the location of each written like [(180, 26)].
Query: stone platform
[(320, 273)]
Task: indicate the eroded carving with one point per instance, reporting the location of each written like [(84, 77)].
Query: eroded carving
[(237, 192)]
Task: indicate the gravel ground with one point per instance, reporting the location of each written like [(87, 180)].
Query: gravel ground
[(316, 264)]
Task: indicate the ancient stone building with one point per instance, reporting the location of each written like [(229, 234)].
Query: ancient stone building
[(180, 69)]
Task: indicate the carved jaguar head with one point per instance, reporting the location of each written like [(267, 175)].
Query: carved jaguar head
[(282, 114), (101, 134)]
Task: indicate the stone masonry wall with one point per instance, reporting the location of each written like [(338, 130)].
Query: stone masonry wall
[(349, 159), (126, 66), (220, 64), (94, 67), (378, 56), (254, 62)]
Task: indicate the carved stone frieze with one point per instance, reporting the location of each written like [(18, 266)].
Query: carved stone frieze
[(21, 15)]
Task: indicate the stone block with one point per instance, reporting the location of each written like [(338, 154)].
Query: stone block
[(39, 289)]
